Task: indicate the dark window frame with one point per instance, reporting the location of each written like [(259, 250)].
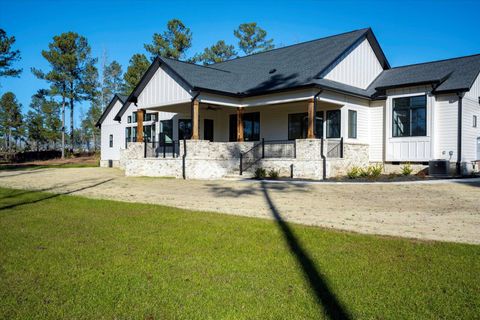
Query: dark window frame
[(251, 117), (129, 119), (352, 131), (411, 124), (304, 124), (151, 116), (167, 124), (475, 120), (329, 134), (110, 140), (134, 117), (185, 135)]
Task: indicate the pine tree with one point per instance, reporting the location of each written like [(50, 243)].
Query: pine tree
[(219, 52), (8, 56), (73, 74), (36, 121), (252, 38), (43, 123), (11, 124), (112, 82), (88, 125), (172, 43), (137, 67)]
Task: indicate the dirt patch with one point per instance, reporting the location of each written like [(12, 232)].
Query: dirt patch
[(447, 211)]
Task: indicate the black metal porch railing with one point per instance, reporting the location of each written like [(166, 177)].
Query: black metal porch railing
[(267, 149), (335, 148), (161, 148)]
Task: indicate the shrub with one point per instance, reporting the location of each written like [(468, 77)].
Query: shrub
[(407, 169), (365, 172), (375, 170), (353, 173), (260, 173), (273, 174)]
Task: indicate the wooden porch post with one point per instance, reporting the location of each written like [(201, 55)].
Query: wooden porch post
[(240, 124), (140, 113), (311, 119), (195, 115)]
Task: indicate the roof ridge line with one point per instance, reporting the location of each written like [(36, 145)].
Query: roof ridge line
[(196, 65), (292, 45), (435, 61)]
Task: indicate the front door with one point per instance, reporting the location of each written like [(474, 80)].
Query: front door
[(208, 129)]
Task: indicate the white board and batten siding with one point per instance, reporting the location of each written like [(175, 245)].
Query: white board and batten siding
[(358, 67), (471, 134), (376, 130), (111, 127), (163, 89), (446, 127), (414, 149)]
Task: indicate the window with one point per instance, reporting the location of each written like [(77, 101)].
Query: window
[(150, 117), (184, 129), (166, 127), (111, 140), (149, 132), (134, 117), (474, 121), (129, 119), (251, 126), (131, 134), (333, 123), (352, 124), (409, 116), (134, 134), (298, 125)]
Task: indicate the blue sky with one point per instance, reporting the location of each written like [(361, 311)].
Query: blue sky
[(408, 31)]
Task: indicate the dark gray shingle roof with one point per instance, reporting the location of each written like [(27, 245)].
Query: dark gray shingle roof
[(286, 67), (449, 75), (302, 65)]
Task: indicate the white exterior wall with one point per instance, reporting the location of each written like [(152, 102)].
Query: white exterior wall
[(163, 89), (446, 119), (111, 127), (377, 131), (474, 92), (357, 68), (470, 134), (415, 149)]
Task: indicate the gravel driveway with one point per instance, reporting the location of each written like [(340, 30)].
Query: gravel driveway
[(447, 211)]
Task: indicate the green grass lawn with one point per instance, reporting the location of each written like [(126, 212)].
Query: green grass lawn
[(72, 257), (14, 167)]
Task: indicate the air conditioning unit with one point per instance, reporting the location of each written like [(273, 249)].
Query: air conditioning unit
[(439, 168)]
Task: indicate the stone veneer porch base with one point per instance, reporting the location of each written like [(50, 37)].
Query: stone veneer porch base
[(216, 160)]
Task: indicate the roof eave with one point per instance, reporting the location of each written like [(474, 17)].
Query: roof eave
[(410, 84), (459, 90), (116, 97)]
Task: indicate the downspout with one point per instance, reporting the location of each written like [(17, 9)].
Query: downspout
[(322, 155), (459, 133), (184, 175)]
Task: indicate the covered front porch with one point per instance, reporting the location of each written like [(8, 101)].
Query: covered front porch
[(270, 122), (301, 139)]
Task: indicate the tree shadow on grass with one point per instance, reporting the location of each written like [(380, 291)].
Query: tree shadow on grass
[(24, 196), (319, 286)]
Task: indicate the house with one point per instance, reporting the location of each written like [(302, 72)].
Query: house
[(310, 110)]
